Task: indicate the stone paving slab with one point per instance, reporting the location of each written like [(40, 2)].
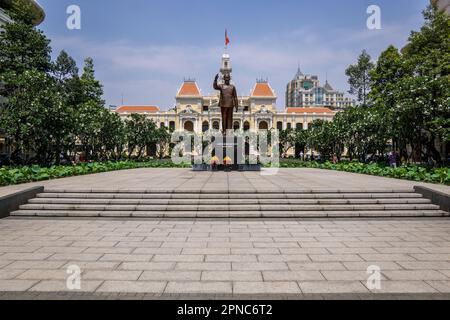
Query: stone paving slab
[(225, 258)]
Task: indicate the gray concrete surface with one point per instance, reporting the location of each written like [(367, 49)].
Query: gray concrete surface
[(225, 257), (185, 179), (156, 258)]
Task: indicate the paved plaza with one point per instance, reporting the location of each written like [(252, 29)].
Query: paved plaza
[(213, 258), (165, 257), (187, 180)]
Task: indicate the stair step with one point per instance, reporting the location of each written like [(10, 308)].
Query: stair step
[(228, 214), (262, 207), (230, 204), (50, 201), (231, 192), (229, 196)]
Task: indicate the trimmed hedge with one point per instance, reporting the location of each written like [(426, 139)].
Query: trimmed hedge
[(414, 173), (11, 176)]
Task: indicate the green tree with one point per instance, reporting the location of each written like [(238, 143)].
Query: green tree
[(34, 116), (89, 110), (65, 67), (287, 140), (23, 48), (428, 56), (65, 73), (411, 90), (389, 71), (111, 138), (163, 139), (21, 11), (359, 77), (25, 87), (92, 89), (322, 137), (141, 134)]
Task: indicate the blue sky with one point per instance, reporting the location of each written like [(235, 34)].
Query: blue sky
[(144, 48)]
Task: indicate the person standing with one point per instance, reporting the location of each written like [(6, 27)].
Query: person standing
[(393, 159), (335, 159)]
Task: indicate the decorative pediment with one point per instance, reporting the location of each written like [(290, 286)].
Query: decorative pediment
[(189, 111), (264, 111)]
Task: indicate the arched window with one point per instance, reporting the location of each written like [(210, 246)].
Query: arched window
[(205, 126), (189, 126), (263, 125), (172, 125), (246, 126), (279, 126), (216, 125), (236, 125)]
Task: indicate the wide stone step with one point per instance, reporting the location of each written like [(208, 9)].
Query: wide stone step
[(230, 204), (231, 214), (181, 196), (232, 191), (239, 207), (225, 201)]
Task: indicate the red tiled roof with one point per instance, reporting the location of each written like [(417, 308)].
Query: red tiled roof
[(262, 90), (189, 88), (308, 110), (137, 109)]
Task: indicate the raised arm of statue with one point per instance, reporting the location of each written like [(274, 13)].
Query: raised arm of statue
[(216, 85)]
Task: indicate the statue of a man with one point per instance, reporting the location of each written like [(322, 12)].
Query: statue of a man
[(228, 101)]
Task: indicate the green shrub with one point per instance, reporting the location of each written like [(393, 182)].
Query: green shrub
[(414, 173), (11, 176)]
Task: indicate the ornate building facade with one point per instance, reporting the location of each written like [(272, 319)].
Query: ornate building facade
[(195, 112)]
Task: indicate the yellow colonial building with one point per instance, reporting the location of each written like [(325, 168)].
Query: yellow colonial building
[(195, 112)]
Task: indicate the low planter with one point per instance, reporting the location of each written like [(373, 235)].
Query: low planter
[(250, 167), (200, 167)]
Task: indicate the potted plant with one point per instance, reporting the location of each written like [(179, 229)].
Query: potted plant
[(214, 163), (227, 163)]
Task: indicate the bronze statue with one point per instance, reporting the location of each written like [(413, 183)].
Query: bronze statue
[(228, 101)]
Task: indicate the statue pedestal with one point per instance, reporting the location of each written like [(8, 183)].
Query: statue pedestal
[(230, 149)]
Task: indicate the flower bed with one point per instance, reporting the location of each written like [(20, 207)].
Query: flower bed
[(11, 176), (415, 173)]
